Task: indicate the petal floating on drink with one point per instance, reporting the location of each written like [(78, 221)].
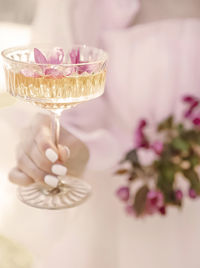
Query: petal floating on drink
[(75, 56), (88, 68), (30, 73), (55, 73), (57, 56), (39, 57)]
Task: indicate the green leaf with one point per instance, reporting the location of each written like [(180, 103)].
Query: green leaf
[(167, 170), (166, 124), (133, 158), (191, 135), (180, 144), (167, 188), (194, 160), (140, 199), (180, 128), (166, 177), (193, 178), (168, 152)]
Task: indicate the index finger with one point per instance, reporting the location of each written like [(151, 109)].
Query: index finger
[(39, 120), (45, 144)]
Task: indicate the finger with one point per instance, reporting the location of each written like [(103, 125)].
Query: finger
[(18, 177), (45, 144), (41, 161), (27, 166), (39, 120), (64, 153)]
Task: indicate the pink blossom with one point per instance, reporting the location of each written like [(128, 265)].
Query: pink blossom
[(154, 202), (140, 139), (196, 121), (56, 57), (158, 147), (162, 210), (189, 99), (75, 56), (89, 68), (123, 193), (146, 157), (75, 59), (142, 124), (53, 73), (39, 57), (192, 193), (30, 73), (130, 210), (188, 113), (179, 195)]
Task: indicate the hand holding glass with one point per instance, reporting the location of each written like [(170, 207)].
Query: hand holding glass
[(55, 87)]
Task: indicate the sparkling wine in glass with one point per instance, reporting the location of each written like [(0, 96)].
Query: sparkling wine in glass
[(78, 75)]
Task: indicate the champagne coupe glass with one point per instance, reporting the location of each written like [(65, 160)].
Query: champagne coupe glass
[(55, 87)]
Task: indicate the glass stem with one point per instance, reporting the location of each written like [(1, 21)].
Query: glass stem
[(55, 125), (55, 128)]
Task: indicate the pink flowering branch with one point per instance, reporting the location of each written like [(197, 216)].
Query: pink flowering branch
[(155, 163)]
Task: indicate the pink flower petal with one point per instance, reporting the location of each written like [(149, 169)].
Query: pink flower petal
[(192, 193), (179, 195), (56, 56), (123, 193), (196, 121), (162, 210), (39, 57), (191, 109), (142, 124), (75, 59), (89, 68), (189, 99), (75, 56), (146, 157), (130, 210), (54, 73), (30, 73), (155, 201), (158, 147), (68, 71), (140, 139)]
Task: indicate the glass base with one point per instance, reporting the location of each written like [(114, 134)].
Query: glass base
[(71, 192)]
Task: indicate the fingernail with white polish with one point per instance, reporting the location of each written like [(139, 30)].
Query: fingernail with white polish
[(51, 180), (67, 151), (51, 155), (59, 170)]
